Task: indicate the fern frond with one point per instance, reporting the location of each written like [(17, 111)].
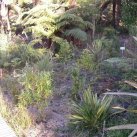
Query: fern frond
[(58, 40), (69, 17), (88, 24), (37, 12), (77, 34), (62, 24)]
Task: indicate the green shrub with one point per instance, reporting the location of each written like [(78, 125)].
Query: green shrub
[(37, 87), (86, 60), (91, 58), (117, 66), (90, 113), (65, 49), (113, 46), (110, 41), (109, 32), (85, 9), (129, 12), (18, 55), (133, 30)]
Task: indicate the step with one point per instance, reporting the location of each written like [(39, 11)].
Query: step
[(5, 129)]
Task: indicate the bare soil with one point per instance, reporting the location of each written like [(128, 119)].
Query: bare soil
[(58, 110)]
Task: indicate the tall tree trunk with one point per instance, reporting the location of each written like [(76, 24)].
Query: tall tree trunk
[(114, 13)]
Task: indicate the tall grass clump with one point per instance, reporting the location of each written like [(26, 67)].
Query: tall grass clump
[(37, 86), (45, 63)]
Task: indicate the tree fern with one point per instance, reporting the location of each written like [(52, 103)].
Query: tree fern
[(47, 21)]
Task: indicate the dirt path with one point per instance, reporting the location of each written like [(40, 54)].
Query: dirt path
[(58, 110), (55, 124)]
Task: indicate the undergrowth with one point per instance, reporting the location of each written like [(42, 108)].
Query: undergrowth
[(30, 88), (17, 117)]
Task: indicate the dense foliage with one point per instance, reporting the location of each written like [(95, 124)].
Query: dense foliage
[(64, 59)]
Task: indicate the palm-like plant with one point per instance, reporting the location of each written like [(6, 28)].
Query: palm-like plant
[(91, 112)]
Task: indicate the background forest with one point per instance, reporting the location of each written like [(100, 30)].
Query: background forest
[(69, 67)]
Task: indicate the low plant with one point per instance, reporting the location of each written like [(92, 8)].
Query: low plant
[(12, 85), (131, 75), (90, 113), (116, 120), (78, 83), (45, 63)]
